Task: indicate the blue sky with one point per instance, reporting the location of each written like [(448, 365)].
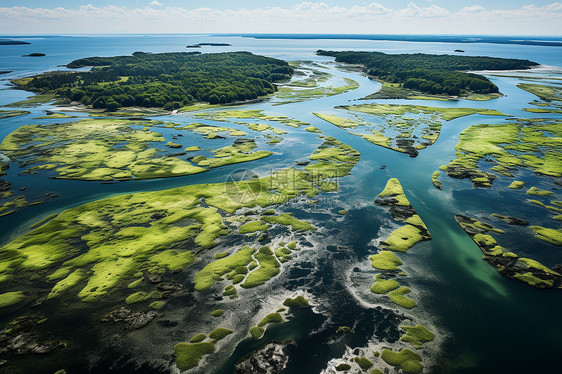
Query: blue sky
[(497, 17)]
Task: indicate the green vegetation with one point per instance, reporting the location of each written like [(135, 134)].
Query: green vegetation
[(214, 271), (517, 184), (406, 128), (405, 237), (385, 260), (383, 285), (94, 150), (343, 367), (313, 129), (31, 101), (103, 245), (168, 80), (46, 219), (288, 220), (551, 236), (447, 114), (219, 333), (363, 362), (188, 355), (537, 192), (417, 335), (12, 113), (120, 235), (434, 74), (397, 297), (252, 227), (343, 330), (157, 304), (297, 302), (288, 94), (198, 338), (108, 149), (435, 180), (11, 298), (333, 160), (543, 110), (340, 122), (240, 151), (137, 297), (508, 263), (218, 312), (210, 132), (254, 114), (55, 116), (544, 92), (270, 318), (508, 146), (257, 332), (405, 360), (268, 268)]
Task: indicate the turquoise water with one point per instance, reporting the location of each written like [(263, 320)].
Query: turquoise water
[(487, 323)]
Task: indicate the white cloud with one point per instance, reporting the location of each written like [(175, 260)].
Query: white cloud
[(308, 16)]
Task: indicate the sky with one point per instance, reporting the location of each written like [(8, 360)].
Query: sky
[(476, 17)]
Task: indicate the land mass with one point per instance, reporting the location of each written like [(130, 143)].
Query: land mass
[(432, 74), (163, 80), (543, 41), (199, 45), (12, 42)]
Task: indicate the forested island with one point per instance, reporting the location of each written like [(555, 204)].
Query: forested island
[(164, 80), (199, 45), (432, 74), (12, 42)]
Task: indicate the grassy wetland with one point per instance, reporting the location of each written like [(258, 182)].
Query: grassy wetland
[(337, 212)]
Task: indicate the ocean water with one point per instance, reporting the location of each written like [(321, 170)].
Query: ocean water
[(486, 323)]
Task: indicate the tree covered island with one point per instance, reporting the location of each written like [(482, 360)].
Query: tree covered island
[(431, 74), (164, 80)]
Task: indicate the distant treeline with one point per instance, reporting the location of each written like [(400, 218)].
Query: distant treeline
[(434, 74), (167, 80)]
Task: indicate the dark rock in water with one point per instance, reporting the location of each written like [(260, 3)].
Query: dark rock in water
[(152, 278), (459, 51), (302, 163), (512, 220), (269, 359), (401, 212), (170, 287), (158, 216), (139, 320), (5, 185), (408, 145), (126, 315), (20, 339), (35, 55), (244, 141), (176, 154)]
